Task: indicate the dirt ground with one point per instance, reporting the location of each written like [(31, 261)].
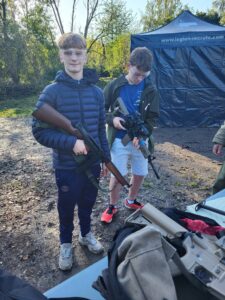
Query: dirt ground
[(29, 242)]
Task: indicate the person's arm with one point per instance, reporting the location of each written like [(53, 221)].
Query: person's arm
[(111, 118), (102, 128), (219, 140), (108, 95), (47, 135), (152, 110)]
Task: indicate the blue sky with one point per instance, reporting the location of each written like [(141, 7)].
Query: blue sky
[(137, 6)]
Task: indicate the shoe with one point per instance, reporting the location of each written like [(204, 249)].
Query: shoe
[(91, 242), (65, 257), (108, 214), (135, 205)]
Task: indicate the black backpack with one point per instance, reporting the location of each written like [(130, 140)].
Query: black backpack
[(107, 284), (184, 285)]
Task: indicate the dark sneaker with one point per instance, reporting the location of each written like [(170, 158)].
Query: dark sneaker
[(108, 214), (135, 205)]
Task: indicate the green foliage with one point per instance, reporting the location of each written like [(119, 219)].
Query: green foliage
[(193, 184), (96, 55), (41, 51), (28, 54), (160, 12), (17, 108), (115, 20), (117, 55), (211, 16), (103, 81), (111, 58), (219, 6), (11, 51)]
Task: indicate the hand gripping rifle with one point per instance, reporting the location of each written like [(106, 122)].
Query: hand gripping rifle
[(49, 115), (135, 128)]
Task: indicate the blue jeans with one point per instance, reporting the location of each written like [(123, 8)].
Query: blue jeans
[(75, 189)]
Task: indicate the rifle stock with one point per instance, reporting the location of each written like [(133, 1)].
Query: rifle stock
[(49, 115), (46, 113)]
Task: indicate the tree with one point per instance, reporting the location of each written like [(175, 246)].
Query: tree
[(27, 47), (91, 12), (117, 54), (73, 15), (114, 20), (211, 16), (11, 44), (160, 12), (41, 51), (55, 9), (219, 6)]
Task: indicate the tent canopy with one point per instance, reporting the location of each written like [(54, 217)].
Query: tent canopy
[(189, 70)]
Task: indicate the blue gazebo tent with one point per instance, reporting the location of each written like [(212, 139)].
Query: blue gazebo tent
[(189, 70)]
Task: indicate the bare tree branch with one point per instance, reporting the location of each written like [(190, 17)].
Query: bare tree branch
[(3, 12), (73, 15), (91, 8), (57, 15), (94, 40)]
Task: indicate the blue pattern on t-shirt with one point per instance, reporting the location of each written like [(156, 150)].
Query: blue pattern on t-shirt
[(131, 96)]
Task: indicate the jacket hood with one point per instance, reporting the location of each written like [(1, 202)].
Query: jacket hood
[(89, 77)]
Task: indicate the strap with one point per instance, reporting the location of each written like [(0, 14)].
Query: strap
[(85, 162), (93, 180)]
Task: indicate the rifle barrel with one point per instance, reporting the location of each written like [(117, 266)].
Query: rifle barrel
[(207, 207)]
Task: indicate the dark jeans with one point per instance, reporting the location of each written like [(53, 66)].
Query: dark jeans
[(75, 189)]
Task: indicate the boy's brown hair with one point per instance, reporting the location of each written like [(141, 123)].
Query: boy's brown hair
[(141, 57), (71, 40)]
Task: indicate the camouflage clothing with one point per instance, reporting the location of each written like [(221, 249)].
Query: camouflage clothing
[(219, 183)]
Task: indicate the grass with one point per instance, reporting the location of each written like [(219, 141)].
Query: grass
[(22, 107), (193, 184)]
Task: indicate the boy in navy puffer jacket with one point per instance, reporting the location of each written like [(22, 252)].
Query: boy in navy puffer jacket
[(75, 95)]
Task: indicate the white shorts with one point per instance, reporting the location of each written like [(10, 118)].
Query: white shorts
[(120, 155)]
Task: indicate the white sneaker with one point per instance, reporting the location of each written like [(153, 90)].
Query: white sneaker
[(90, 241), (65, 257)]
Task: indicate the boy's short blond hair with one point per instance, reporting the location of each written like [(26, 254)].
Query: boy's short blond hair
[(72, 40), (141, 57)]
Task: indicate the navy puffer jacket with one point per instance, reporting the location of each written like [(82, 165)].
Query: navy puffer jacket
[(79, 101)]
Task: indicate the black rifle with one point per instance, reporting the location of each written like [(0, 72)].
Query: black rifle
[(136, 128)]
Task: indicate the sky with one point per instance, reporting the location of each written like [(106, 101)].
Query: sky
[(137, 6)]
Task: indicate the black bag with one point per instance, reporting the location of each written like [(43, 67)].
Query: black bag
[(107, 284), (131, 272), (182, 287), (13, 288)]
